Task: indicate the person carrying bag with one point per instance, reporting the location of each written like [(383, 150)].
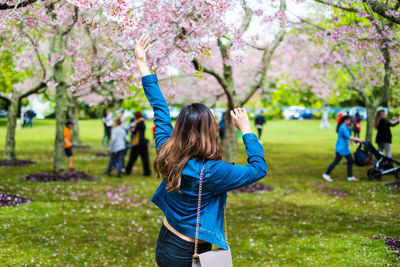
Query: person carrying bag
[(189, 160)]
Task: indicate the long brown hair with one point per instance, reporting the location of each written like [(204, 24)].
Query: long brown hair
[(378, 117), (195, 135)]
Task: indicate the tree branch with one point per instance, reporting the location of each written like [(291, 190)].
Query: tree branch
[(375, 5), (259, 79), (5, 6), (248, 14), (35, 47), (5, 97), (75, 20), (330, 3), (33, 90), (210, 71)]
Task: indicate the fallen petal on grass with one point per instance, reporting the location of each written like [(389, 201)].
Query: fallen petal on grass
[(68, 176)]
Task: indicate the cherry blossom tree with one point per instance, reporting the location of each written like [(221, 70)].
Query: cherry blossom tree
[(21, 89), (345, 53), (184, 32), (59, 37)]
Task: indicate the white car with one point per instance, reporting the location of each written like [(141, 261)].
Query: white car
[(148, 114), (293, 112)]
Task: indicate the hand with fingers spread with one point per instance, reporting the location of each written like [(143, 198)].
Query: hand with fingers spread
[(241, 120), (141, 48)]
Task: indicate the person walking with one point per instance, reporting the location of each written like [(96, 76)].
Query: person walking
[(342, 149), (189, 159), (68, 144), (138, 145), (260, 120), (107, 123), (117, 148), (324, 119), (384, 135), (30, 114)]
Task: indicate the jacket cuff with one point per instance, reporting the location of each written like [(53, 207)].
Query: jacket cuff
[(148, 79), (249, 137)]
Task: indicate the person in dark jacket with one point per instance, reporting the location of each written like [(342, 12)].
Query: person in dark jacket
[(30, 114), (139, 145), (221, 126), (384, 135), (260, 120)]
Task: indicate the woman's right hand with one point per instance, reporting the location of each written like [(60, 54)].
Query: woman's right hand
[(141, 47), (241, 120)]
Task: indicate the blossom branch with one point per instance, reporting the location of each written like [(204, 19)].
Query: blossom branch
[(5, 6), (259, 79)]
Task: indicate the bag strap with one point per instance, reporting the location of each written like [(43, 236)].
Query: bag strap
[(196, 241)]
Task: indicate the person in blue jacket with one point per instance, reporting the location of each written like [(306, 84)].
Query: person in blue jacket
[(183, 152), (342, 149)]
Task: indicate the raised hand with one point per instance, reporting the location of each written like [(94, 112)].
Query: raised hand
[(141, 48), (241, 120)]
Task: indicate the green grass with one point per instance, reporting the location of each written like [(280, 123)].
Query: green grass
[(78, 224)]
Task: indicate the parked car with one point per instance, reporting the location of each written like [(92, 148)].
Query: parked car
[(361, 111), (148, 114), (217, 112), (174, 112), (297, 113), (3, 113)]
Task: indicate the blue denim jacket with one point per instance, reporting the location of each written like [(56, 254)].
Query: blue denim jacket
[(343, 141), (219, 177)]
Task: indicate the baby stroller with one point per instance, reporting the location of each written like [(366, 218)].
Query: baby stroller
[(383, 165)]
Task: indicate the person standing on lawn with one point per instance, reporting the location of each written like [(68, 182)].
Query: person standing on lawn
[(107, 122), (342, 149), (68, 144), (260, 120), (30, 114), (384, 135), (185, 153), (324, 119), (221, 126), (357, 125), (139, 145), (117, 148)]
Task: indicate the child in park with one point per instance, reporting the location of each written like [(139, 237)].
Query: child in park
[(117, 147), (68, 144), (195, 179), (342, 149)]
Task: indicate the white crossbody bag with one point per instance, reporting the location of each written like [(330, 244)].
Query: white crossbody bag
[(214, 258)]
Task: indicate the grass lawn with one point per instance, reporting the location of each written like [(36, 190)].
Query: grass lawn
[(111, 221)]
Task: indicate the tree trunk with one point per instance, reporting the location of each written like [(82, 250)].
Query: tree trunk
[(61, 113), (61, 106), (371, 111), (74, 117), (229, 143), (11, 125)]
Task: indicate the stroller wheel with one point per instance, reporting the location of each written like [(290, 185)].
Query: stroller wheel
[(374, 174)]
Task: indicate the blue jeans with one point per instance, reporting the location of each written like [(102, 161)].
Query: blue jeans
[(117, 157), (172, 251), (338, 158)]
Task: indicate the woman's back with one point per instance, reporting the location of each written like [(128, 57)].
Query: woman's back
[(185, 152)]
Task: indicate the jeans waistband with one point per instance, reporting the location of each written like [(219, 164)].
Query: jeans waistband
[(165, 231)]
